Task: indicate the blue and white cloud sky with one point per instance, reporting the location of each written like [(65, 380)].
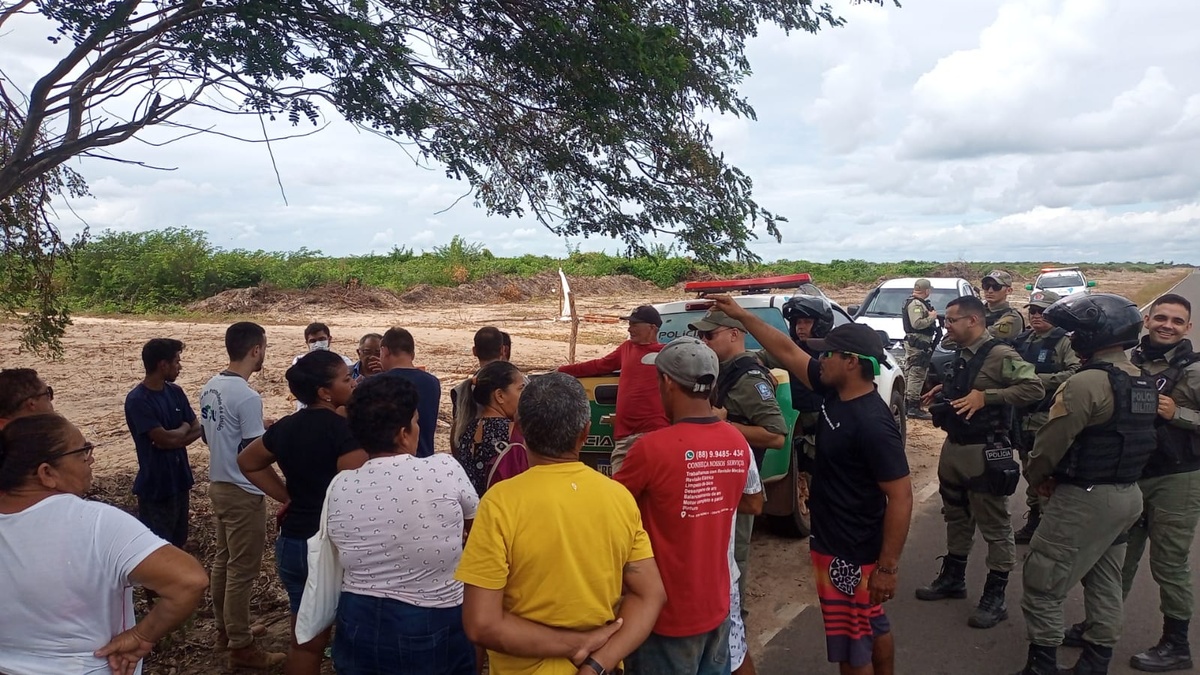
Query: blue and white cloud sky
[(1063, 130)]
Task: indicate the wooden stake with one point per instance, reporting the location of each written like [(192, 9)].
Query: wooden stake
[(574, 327)]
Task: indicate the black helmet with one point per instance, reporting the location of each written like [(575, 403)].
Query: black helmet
[(809, 307), (1096, 321)]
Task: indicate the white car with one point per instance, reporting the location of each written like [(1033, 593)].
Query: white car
[(1062, 280), (884, 305)]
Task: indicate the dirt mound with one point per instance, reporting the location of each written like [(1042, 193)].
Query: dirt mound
[(502, 288), (270, 300)]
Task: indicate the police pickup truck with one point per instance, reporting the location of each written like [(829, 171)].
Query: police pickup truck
[(784, 478)]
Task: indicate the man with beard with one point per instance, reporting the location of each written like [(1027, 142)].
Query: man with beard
[(162, 424), (1170, 484), (231, 417)]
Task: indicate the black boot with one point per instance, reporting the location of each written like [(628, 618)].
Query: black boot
[(951, 582), (1074, 635), (991, 609), (1171, 653), (1025, 534), (1041, 661), (1093, 661), (914, 410)]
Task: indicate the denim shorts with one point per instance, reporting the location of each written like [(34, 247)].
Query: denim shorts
[(376, 636), (291, 559), (704, 654)]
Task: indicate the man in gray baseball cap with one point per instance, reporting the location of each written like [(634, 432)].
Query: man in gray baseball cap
[(688, 362)]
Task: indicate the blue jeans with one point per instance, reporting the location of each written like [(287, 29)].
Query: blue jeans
[(704, 654), (377, 636), (291, 559)]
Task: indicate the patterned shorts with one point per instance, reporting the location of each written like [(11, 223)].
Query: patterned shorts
[(738, 647), (851, 622)]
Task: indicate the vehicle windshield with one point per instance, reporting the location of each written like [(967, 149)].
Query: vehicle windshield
[(890, 301), (1060, 280)]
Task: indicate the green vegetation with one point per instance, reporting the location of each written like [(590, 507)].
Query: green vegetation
[(162, 271)]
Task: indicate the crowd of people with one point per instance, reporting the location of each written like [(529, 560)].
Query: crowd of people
[(509, 551)]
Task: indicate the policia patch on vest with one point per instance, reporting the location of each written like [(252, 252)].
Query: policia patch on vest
[(1143, 401)]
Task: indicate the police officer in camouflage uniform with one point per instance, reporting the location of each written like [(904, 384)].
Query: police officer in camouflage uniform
[(1085, 462), (745, 391), (1170, 483), (920, 335), (1003, 322), (1048, 349), (977, 470)]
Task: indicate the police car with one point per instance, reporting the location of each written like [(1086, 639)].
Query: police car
[(1062, 280), (785, 484)]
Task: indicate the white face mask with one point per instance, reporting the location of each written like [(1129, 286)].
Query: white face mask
[(319, 344)]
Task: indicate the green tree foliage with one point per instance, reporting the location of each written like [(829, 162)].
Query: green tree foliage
[(585, 115)]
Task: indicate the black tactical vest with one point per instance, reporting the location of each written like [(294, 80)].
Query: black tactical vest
[(1043, 354), (991, 424), (1178, 449), (908, 327), (1115, 452), (992, 317), (726, 381)]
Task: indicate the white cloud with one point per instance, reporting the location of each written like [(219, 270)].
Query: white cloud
[(1037, 129)]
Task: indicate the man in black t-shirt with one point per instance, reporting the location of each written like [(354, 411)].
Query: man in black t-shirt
[(861, 498)]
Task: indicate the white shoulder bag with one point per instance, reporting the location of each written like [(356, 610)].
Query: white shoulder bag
[(318, 605)]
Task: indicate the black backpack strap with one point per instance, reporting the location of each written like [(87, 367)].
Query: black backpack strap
[(727, 380)]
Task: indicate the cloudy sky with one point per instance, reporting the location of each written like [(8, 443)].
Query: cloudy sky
[(984, 130)]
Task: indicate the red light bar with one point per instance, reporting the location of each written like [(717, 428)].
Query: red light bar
[(727, 285)]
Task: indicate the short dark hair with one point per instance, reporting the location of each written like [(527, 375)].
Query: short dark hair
[(369, 336), (969, 305), (491, 378), (489, 343), (242, 337), (553, 411), (397, 339), (17, 385), (379, 408), (311, 372), (1172, 299), (505, 339), (316, 327), (27, 443), (158, 350)]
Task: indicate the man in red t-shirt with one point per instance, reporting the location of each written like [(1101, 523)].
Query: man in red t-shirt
[(688, 480), (639, 407)]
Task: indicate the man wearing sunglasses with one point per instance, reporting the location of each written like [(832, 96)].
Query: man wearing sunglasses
[(1003, 322), (23, 393), (745, 397), (861, 499), (1049, 350), (977, 470)]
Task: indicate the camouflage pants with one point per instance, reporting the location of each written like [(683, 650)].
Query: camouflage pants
[(1076, 542), (966, 509), (1171, 509), (916, 369)]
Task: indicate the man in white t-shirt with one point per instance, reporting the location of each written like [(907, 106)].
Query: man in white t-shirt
[(231, 417)]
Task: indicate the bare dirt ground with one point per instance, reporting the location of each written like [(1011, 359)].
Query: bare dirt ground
[(102, 363)]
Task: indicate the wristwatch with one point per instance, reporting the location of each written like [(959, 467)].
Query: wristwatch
[(595, 665)]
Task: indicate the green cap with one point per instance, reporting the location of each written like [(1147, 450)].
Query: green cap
[(1043, 299), (716, 319), (1000, 277), (922, 285)]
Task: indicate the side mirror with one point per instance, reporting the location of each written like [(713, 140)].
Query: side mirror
[(1091, 284), (853, 309), (1029, 287)]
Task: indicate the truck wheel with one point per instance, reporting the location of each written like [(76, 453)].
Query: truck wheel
[(797, 524)]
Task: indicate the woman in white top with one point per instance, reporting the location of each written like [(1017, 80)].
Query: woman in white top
[(398, 524), (69, 565)]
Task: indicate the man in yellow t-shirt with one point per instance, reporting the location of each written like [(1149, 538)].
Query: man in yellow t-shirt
[(551, 550)]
